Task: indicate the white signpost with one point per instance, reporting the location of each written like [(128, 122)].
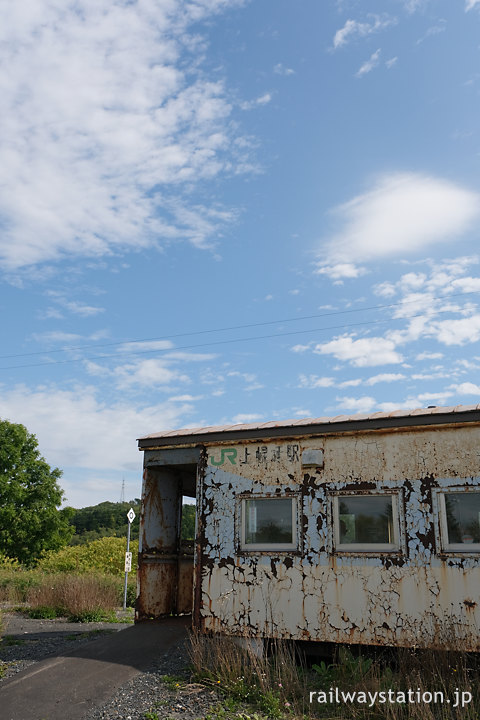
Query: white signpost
[(128, 556)]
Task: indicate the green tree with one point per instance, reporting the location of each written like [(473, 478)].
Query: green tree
[(30, 519), (188, 522)]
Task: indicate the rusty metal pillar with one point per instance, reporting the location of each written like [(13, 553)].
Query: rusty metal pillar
[(159, 544)]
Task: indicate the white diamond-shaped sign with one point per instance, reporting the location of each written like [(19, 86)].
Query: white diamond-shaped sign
[(131, 515)]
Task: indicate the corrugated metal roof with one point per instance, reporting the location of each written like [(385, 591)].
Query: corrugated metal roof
[(304, 425)]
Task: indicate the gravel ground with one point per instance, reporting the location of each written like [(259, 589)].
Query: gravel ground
[(149, 693), (26, 641)]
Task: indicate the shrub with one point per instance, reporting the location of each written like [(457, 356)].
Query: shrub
[(105, 555)]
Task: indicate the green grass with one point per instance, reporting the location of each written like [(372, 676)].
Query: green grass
[(44, 612)]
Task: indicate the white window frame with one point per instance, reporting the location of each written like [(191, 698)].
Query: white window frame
[(393, 547), (442, 510), (269, 547)]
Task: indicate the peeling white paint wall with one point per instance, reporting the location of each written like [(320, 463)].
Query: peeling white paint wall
[(418, 596)]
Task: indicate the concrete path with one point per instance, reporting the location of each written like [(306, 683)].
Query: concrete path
[(65, 687)]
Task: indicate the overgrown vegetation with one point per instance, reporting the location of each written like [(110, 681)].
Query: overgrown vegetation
[(353, 685), (106, 555), (84, 583), (81, 598)]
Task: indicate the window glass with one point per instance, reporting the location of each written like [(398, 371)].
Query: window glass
[(365, 520), (463, 517), (268, 521)]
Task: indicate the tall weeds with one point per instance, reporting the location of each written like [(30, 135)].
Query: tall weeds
[(273, 684), (380, 680), (80, 597)]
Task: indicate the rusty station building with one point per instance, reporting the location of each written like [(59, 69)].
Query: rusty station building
[(351, 529)]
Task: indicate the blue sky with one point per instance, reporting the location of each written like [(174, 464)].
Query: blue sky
[(223, 211)]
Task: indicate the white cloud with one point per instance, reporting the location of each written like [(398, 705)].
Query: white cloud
[(470, 4), (439, 397), (440, 27), (403, 214), (75, 428), (151, 373), (391, 63), (365, 352), (340, 270), (245, 418), (350, 383), (354, 29), (384, 377), (414, 303), (106, 116), (363, 404), (467, 388), (370, 64), (281, 69), (156, 374), (185, 398), (429, 356), (78, 308), (466, 284), (432, 375), (145, 346), (458, 331), (261, 100), (302, 413), (189, 356), (412, 5), (250, 379), (312, 382), (74, 306), (57, 336)]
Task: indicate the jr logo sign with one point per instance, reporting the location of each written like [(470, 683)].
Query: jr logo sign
[(225, 454)]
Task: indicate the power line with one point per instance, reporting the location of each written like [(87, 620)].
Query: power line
[(222, 329), (217, 342)]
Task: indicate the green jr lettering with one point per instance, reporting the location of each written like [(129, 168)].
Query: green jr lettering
[(225, 454)]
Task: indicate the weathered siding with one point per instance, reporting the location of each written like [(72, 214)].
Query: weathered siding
[(411, 597)]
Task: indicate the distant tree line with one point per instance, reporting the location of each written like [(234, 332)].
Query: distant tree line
[(109, 519)]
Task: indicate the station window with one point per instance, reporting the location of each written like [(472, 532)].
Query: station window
[(460, 521), (366, 523), (269, 523)]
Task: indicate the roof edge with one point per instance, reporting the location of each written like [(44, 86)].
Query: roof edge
[(313, 426)]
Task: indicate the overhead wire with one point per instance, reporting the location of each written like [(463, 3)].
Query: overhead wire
[(222, 329), (225, 342)]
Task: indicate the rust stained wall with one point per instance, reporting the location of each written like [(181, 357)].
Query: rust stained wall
[(159, 572), (415, 596)]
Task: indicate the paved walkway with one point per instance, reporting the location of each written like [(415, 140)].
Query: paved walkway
[(65, 687)]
